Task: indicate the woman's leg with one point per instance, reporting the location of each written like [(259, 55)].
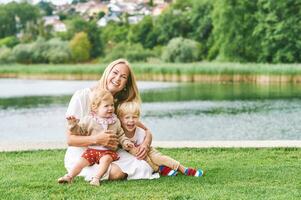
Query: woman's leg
[(116, 173)]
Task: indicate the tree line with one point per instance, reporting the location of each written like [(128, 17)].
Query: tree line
[(264, 31)]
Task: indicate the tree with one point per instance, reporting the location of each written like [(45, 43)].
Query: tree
[(15, 16), (143, 33), (94, 35), (175, 22), (46, 7), (80, 47), (234, 23), (279, 27), (114, 33)]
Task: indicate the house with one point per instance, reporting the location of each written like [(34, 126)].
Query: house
[(107, 18), (55, 22), (158, 9)]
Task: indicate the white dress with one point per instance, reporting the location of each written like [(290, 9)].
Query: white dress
[(134, 168)]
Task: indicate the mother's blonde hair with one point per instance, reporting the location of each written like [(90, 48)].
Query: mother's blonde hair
[(130, 91)]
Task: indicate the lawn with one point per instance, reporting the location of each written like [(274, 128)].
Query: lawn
[(231, 174)]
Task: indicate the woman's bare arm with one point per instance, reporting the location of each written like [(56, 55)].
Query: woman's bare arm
[(106, 139)]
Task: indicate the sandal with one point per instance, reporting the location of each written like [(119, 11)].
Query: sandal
[(95, 181), (65, 179), (194, 172)]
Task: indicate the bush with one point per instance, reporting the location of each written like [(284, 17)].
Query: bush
[(10, 41), (181, 50), (23, 53), (59, 51), (132, 52), (39, 51), (6, 55), (80, 47)]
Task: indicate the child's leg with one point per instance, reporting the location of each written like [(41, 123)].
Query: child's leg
[(104, 163), (75, 171), (82, 163), (160, 159), (172, 166)]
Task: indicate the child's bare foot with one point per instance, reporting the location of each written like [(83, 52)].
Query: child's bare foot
[(65, 179), (95, 181)]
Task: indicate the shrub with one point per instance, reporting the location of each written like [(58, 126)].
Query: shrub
[(39, 51), (132, 52), (181, 50), (10, 41), (23, 53), (6, 55), (80, 47), (59, 51)]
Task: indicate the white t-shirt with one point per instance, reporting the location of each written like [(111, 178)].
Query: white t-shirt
[(138, 137), (134, 168)]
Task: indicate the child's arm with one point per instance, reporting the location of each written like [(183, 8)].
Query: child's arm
[(144, 147), (75, 127)]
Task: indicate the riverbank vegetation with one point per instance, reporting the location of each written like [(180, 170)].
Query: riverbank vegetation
[(187, 31), (231, 174), (198, 72)]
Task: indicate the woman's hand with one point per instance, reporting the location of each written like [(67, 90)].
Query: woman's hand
[(107, 139)]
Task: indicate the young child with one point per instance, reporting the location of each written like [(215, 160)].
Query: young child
[(101, 118), (129, 113)]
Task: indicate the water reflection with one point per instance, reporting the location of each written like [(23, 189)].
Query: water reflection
[(179, 92), (226, 91), (174, 112)]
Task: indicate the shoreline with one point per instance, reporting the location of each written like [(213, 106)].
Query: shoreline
[(18, 146), (171, 77)]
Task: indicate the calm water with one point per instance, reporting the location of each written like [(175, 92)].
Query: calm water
[(35, 110)]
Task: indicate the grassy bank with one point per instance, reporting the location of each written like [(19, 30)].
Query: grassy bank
[(164, 72), (231, 174)]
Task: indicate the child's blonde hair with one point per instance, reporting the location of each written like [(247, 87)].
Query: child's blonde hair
[(131, 107), (100, 96)]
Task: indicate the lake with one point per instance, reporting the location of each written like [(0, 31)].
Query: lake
[(34, 110)]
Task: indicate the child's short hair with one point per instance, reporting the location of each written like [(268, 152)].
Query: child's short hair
[(131, 107), (99, 96)]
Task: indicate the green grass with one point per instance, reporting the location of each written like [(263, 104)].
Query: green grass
[(160, 68), (231, 174)]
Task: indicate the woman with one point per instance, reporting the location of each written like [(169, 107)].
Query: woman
[(118, 79)]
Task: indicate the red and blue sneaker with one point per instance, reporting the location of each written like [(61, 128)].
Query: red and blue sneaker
[(166, 171), (194, 172)]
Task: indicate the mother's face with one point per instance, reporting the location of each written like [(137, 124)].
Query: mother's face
[(117, 78)]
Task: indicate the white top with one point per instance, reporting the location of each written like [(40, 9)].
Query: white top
[(134, 168), (138, 136)]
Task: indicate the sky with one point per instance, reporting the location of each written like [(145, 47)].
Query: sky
[(57, 2)]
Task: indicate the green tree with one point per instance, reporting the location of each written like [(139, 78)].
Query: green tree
[(175, 22), (143, 33), (94, 34), (80, 47), (114, 33), (46, 7), (234, 23), (279, 27), (15, 16)]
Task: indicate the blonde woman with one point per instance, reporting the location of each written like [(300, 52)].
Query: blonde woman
[(118, 79)]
